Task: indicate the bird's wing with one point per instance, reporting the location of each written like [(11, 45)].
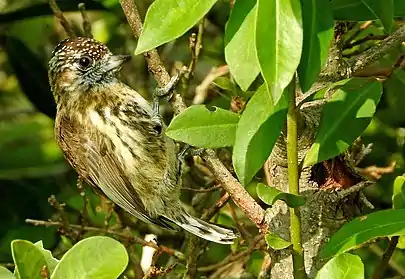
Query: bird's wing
[(87, 152)]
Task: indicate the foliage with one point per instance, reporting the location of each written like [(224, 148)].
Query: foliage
[(266, 44)]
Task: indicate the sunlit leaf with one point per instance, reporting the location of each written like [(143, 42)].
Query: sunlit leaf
[(275, 242), (258, 129), (270, 195), (279, 37), (202, 127), (5, 273), (51, 262), (240, 51), (344, 266), (28, 259), (344, 118), (318, 33), (96, 257), (363, 229), (398, 196), (169, 19)]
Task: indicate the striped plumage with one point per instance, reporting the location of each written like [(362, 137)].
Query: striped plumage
[(110, 136)]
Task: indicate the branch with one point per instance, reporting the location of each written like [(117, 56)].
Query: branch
[(121, 234), (59, 15), (386, 258), (367, 58), (86, 21), (155, 65)]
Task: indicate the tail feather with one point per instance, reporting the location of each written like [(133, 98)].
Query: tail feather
[(206, 230)]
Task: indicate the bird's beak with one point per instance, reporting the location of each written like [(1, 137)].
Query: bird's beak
[(115, 62)]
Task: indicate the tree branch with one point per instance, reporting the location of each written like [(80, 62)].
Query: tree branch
[(386, 258), (121, 234), (237, 192)]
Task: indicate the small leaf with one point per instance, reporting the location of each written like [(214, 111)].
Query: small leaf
[(270, 195), (344, 266), (318, 33), (344, 118), (278, 43), (240, 50), (401, 243), (201, 127), (169, 19), (319, 95), (28, 259), (51, 262), (275, 242), (398, 196), (365, 228), (96, 257), (224, 83), (5, 273), (258, 129)]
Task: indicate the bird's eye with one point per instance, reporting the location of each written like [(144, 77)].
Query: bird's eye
[(85, 62)]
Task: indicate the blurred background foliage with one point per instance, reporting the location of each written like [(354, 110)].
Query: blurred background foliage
[(32, 167)]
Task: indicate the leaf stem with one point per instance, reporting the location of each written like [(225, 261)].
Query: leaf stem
[(293, 181), (386, 258)]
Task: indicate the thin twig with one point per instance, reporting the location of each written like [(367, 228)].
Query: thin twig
[(59, 15), (211, 189), (201, 91), (366, 39), (86, 21), (257, 243), (386, 258), (121, 234), (266, 268), (64, 227), (83, 211), (238, 193)]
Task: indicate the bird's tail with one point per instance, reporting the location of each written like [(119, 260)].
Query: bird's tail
[(206, 230)]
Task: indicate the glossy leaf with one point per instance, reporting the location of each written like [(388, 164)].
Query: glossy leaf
[(365, 228), (359, 10), (28, 259), (344, 118), (344, 266), (278, 43), (169, 19), (96, 257), (318, 32), (51, 262), (5, 273), (398, 196), (258, 129), (275, 242), (202, 127), (270, 195), (240, 51)]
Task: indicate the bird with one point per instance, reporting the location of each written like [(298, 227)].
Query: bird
[(115, 140)]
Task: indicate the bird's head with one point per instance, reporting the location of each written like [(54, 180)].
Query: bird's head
[(80, 65)]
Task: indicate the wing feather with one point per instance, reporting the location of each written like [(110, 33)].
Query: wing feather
[(86, 151)]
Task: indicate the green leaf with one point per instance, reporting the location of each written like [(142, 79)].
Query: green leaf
[(240, 51), (275, 242), (383, 10), (318, 33), (270, 195), (398, 196), (96, 257), (258, 129), (344, 266), (319, 95), (28, 259), (365, 228), (5, 273), (51, 262), (169, 19), (202, 127), (359, 10), (278, 42), (344, 118)]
